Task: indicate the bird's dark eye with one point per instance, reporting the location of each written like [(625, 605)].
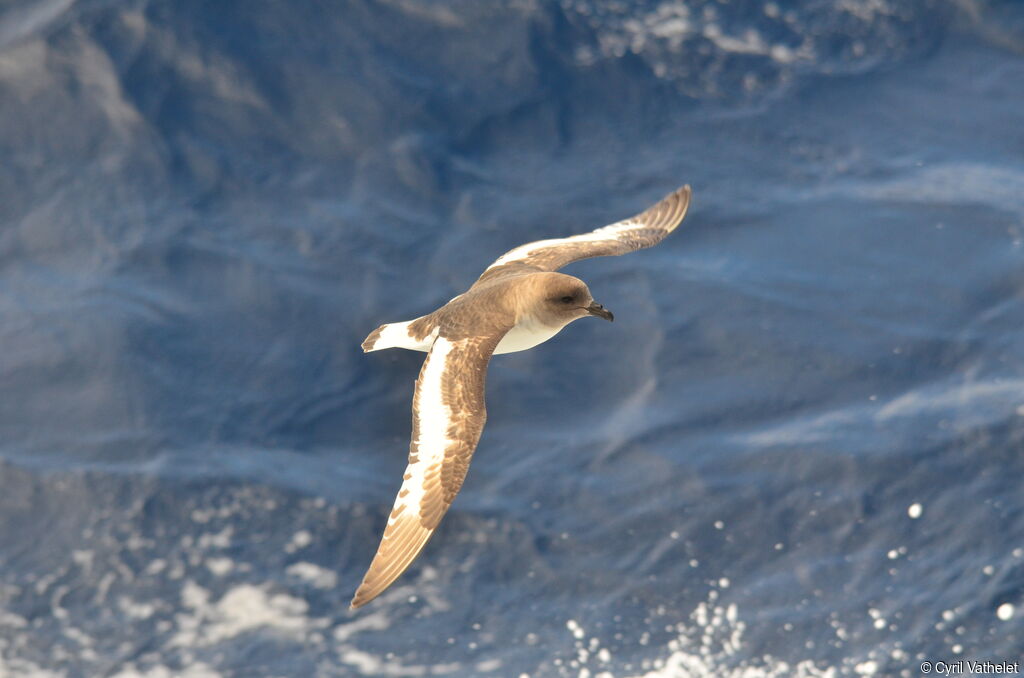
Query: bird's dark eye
[(566, 300)]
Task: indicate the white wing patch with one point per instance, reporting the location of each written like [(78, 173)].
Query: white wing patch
[(605, 233), (405, 534), (627, 235), (434, 419), (396, 335)]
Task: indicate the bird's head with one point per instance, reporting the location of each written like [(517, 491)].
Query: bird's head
[(559, 299)]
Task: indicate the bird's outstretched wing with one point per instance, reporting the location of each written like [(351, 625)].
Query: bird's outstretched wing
[(643, 230), (448, 416)]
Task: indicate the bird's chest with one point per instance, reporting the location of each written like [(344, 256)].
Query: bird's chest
[(526, 334)]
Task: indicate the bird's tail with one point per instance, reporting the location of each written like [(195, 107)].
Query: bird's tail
[(415, 335)]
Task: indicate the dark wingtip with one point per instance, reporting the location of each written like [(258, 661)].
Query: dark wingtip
[(668, 212), (361, 598), (680, 202), (372, 339)]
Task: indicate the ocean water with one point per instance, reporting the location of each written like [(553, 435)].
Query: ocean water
[(799, 450)]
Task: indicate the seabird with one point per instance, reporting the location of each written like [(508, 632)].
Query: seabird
[(517, 303)]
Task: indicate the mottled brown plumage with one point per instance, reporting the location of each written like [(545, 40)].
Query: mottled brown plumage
[(518, 302)]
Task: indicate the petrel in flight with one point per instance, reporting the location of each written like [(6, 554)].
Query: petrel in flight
[(518, 302)]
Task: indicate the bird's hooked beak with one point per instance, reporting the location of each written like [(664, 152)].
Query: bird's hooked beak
[(600, 311)]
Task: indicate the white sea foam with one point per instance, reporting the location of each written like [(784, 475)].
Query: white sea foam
[(709, 644), (196, 670), (709, 50), (300, 540), (241, 609), (319, 577), (670, 28)]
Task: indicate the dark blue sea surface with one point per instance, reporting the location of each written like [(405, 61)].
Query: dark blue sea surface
[(799, 450)]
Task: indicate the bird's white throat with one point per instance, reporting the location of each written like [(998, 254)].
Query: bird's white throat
[(527, 334)]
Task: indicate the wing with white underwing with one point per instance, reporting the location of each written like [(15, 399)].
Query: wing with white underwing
[(448, 418), (643, 230)]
